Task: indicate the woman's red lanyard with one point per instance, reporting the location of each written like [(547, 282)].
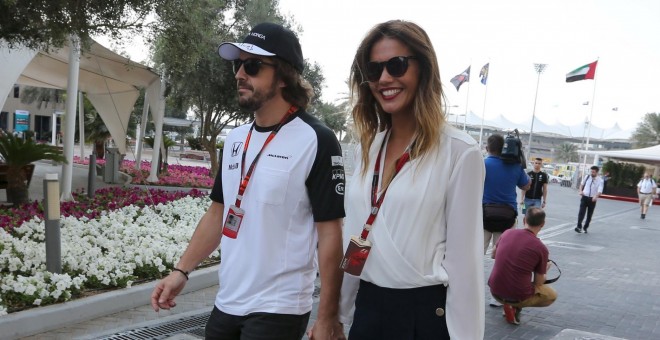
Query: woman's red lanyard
[(375, 200), (246, 178)]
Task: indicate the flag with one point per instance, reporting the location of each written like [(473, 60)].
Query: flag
[(461, 78), (484, 74), (587, 71)]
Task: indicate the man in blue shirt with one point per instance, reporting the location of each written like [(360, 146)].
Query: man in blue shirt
[(500, 196)]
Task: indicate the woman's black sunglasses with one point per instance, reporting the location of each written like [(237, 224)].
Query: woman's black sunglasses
[(396, 67), (251, 66)]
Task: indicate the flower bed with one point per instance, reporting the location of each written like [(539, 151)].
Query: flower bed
[(175, 176), (137, 236)]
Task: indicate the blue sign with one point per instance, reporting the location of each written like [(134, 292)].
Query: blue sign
[(21, 120)]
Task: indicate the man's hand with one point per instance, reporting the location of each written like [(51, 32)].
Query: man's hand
[(326, 329), (166, 290), (594, 199), (543, 205)]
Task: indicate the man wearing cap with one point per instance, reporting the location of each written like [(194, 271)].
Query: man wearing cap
[(277, 201)]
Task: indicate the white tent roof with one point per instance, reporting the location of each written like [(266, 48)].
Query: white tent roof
[(650, 155), (575, 131), (110, 81)]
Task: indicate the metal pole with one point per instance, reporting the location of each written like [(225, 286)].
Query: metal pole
[(591, 115), (81, 124), (91, 176), (52, 212), (539, 69)]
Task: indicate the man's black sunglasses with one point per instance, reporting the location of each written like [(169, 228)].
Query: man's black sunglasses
[(396, 67), (251, 66)]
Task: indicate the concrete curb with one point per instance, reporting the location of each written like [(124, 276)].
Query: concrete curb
[(43, 319)]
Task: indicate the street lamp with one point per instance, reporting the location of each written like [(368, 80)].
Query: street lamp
[(539, 69)]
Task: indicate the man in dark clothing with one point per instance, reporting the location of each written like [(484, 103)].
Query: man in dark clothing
[(537, 194)]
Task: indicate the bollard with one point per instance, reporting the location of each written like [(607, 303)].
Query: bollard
[(91, 176), (52, 210)]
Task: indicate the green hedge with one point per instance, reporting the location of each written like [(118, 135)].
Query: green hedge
[(624, 175)]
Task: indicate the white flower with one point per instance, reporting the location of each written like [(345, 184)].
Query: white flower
[(108, 249)]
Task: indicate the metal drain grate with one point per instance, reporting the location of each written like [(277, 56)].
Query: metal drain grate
[(192, 324)]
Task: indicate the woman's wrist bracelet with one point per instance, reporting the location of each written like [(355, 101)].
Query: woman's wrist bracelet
[(185, 273)]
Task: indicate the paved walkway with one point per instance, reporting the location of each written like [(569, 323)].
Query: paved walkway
[(610, 283)]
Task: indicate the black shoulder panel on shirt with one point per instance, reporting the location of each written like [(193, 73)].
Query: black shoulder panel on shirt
[(326, 180)]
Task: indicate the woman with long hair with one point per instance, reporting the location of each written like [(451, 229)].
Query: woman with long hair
[(415, 267)]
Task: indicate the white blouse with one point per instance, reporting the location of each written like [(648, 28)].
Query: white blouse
[(428, 230)]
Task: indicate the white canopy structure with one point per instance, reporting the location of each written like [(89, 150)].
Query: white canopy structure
[(650, 155), (110, 81), (575, 131)]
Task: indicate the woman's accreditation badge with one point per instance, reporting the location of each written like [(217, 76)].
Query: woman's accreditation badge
[(356, 255), (233, 221)]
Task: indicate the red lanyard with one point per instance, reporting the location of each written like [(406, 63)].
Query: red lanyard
[(246, 178), (375, 200)]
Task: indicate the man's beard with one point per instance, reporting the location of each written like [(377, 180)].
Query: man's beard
[(258, 98)]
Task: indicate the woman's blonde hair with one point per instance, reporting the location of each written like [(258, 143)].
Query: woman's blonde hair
[(369, 117)]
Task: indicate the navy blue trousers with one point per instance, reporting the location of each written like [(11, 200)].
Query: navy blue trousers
[(411, 314)]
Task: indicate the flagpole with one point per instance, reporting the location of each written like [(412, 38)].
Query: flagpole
[(483, 111), (467, 98), (591, 114)]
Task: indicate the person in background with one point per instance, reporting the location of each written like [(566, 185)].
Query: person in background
[(646, 190), (519, 254), (536, 195), (281, 178), (590, 188), (423, 276), (499, 199)]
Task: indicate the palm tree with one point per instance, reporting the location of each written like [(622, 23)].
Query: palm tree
[(18, 153), (95, 131), (567, 152), (167, 142), (41, 95), (648, 131)]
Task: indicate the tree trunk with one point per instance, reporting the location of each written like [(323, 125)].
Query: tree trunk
[(99, 149), (17, 190)]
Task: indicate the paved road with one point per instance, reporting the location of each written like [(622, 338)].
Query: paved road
[(610, 283)]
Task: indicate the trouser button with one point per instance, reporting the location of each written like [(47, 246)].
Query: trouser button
[(439, 312)]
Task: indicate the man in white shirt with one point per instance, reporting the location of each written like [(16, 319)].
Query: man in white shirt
[(591, 188), (646, 189), (282, 178)]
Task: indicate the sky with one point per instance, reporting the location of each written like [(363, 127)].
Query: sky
[(511, 35)]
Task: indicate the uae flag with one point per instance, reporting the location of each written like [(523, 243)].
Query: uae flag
[(587, 71), (459, 79)]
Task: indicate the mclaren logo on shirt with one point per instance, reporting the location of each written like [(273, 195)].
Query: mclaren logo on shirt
[(235, 148), (279, 156)]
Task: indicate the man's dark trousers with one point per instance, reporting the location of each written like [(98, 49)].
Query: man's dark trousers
[(586, 205)]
